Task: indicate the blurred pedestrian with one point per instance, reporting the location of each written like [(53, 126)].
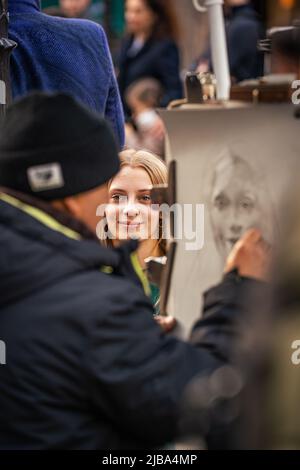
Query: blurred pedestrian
[(150, 48), (284, 46), (54, 11), (243, 31), (146, 131), (86, 9)]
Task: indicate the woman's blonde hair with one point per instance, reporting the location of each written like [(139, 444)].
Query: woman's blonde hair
[(151, 163), (157, 172)]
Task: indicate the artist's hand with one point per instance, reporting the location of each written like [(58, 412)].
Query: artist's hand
[(251, 256), (167, 323)]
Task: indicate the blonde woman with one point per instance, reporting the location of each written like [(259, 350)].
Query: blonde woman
[(130, 212)]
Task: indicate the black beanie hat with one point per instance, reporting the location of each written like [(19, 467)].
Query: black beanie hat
[(52, 147)]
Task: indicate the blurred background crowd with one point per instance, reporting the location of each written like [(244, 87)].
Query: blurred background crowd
[(155, 43), (194, 28)]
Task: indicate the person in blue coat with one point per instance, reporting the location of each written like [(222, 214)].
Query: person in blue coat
[(150, 49), (66, 55)]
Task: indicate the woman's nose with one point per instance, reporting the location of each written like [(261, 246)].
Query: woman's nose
[(131, 210)]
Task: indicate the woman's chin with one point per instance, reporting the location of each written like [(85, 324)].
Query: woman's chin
[(130, 234)]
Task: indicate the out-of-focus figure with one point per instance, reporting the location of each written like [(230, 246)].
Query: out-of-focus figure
[(150, 48), (284, 46), (54, 11), (146, 130), (282, 384), (243, 31), (83, 9)]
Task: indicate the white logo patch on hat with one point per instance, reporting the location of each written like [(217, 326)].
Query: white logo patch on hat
[(45, 177)]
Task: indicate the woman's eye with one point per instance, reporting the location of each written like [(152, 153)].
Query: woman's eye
[(119, 198), (145, 198)]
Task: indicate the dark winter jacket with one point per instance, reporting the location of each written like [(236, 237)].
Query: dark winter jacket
[(86, 366)]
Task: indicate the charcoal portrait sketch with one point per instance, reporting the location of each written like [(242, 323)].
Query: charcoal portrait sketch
[(238, 163), (239, 200)]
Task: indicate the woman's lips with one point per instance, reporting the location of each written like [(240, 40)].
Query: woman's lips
[(130, 224)]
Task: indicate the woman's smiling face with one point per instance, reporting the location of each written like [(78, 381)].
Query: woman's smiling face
[(129, 213)]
